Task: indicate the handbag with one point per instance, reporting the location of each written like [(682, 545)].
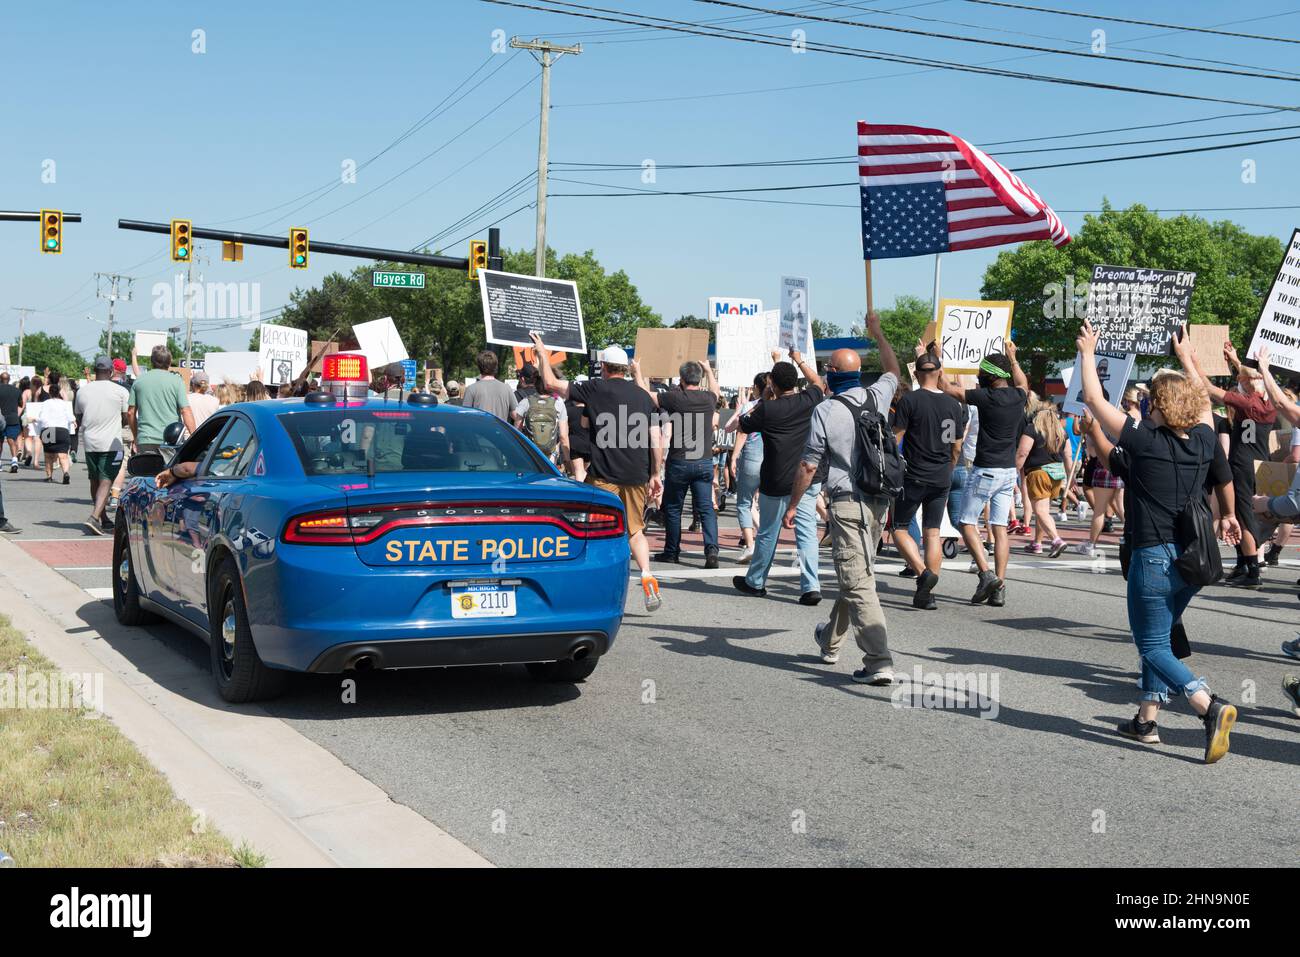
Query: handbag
[(1055, 471)]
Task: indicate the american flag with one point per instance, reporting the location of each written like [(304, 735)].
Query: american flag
[(927, 191)]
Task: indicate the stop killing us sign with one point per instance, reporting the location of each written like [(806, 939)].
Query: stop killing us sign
[(971, 330), (1279, 320)]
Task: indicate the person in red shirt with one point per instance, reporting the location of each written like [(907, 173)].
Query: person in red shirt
[(1253, 417)]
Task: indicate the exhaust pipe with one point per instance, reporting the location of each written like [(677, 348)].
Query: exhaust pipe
[(582, 649), (362, 662)]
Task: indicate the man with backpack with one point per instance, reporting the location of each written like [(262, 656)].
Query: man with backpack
[(850, 446), (545, 420)]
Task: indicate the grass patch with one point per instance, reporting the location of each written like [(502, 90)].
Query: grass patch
[(74, 792)]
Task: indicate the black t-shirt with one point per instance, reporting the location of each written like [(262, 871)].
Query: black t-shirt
[(932, 422), (524, 392), (1002, 420), (620, 415), (1164, 471), (579, 439), (1040, 456), (1243, 454), (10, 397), (692, 418), (784, 423)]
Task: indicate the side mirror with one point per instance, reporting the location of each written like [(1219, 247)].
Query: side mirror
[(145, 464)]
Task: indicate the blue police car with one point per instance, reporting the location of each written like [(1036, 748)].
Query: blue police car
[(337, 533)]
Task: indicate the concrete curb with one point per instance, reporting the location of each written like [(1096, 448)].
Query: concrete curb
[(249, 774)]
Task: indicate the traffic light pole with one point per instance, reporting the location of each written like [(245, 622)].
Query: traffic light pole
[(328, 249), (18, 216)]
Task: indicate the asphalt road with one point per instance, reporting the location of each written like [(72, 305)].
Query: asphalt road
[(713, 734)]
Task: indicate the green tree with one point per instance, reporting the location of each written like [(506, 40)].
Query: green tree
[(822, 329), (1233, 271), (902, 323), (42, 350), (695, 322)]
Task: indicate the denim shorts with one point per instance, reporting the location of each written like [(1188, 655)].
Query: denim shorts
[(995, 488)]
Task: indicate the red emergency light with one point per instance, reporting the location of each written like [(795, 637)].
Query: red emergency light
[(344, 367)]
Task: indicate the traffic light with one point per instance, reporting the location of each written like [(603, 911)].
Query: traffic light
[(51, 231), (298, 248), (182, 238), (477, 257)]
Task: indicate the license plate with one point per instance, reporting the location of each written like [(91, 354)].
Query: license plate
[(483, 601)]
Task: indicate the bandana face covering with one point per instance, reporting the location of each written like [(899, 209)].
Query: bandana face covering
[(843, 381), (991, 369)]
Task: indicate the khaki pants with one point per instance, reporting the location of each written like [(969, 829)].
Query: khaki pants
[(855, 533)]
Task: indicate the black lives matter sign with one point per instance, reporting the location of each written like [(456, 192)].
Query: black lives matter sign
[(1138, 310), (1279, 320), (514, 306)]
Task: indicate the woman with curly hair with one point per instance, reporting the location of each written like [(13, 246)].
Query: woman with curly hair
[(1168, 460)]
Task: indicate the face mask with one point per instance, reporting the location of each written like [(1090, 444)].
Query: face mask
[(843, 381)]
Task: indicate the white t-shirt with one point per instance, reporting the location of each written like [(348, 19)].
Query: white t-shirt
[(56, 414)]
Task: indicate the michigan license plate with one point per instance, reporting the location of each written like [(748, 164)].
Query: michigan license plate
[(483, 601)]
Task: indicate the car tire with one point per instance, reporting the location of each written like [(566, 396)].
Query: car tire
[(126, 589), (570, 672), (237, 668)]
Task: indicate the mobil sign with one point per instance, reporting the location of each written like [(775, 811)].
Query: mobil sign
[(720, 306)]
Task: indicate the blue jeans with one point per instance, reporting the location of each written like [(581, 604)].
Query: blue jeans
[(957, 494), (698, 477), (747, 469), (1157, 597), (771, 510), (995, 488)]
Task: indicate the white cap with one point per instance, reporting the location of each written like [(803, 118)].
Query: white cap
[(614, 355)]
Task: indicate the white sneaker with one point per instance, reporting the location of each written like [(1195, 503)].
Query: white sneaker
[(1062, 517), (885, 676), (746, 555), (1087, 549), (830, 657)]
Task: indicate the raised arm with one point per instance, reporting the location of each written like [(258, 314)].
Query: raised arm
[(1018, 377), (1094, 396), (1186, 353), (550, 381), (888, 361), (635, 368), (1280, 399), (809, 371)]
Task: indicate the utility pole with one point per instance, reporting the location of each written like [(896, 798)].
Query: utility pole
[(550, 52), (113, 296), (22, 328), (189, 308)]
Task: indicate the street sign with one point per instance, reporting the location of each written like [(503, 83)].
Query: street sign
[(191, 363), (395, 280)]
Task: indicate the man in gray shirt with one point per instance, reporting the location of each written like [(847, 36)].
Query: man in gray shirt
[(489, 393), (101, 411), (855, 519)]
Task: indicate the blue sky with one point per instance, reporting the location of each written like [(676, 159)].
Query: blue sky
[(141, 127)]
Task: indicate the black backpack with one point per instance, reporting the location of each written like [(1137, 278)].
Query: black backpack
[(879, 469), (1200, 563)]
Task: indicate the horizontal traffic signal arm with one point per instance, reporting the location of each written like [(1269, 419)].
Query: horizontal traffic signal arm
[(15, 216), (282, 242)]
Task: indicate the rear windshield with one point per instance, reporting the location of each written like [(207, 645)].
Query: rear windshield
[(347, 441)]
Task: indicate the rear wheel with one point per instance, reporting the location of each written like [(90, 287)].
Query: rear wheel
[(126, 590), (564, 671), (950, 548), (238, 670)]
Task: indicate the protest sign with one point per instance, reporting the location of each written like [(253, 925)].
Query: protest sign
[(742, 349), (1113, 369), (527, 354), (17, 372), (661, 352), (319, 350), (1273, 478), (237, 368), (514, 306), (283, 353), (796, 318), (971, 330), (1208, 341), (145, 341), (1279, 320), (4, 355), (379, 342), (1138, 310), (720, 306)]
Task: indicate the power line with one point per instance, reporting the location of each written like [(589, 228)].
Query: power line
[(1001, 43), (1143, 23), (761, 39)]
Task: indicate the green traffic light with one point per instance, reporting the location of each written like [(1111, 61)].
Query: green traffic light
[(299, 259), (51, 244), (182, 252)]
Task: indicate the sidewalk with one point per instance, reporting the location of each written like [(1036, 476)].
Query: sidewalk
[(252, 776)]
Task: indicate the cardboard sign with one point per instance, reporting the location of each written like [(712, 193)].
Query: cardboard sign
[(970, 330), (796, 318), (742, 349), (514, 306), (1113, 370), (1208, 341), (1138, 310), (145, 341), (527, 354), (1279, 320), (661, 352), (319, 350), (237, 368), (380, 342), (1273, 478), (283, 353)]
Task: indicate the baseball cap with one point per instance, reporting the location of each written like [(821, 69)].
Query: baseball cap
[(614, 355), (928, 362), (453, 387), (198, 375), (119, 365), (103, 363)]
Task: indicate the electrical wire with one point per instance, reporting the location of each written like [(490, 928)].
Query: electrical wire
[(1146, 23)]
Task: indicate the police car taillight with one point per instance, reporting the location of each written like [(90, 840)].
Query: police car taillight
[(345, 374), (595, 523)]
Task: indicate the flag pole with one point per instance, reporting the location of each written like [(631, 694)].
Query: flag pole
[(870, 307), (934, 306)]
